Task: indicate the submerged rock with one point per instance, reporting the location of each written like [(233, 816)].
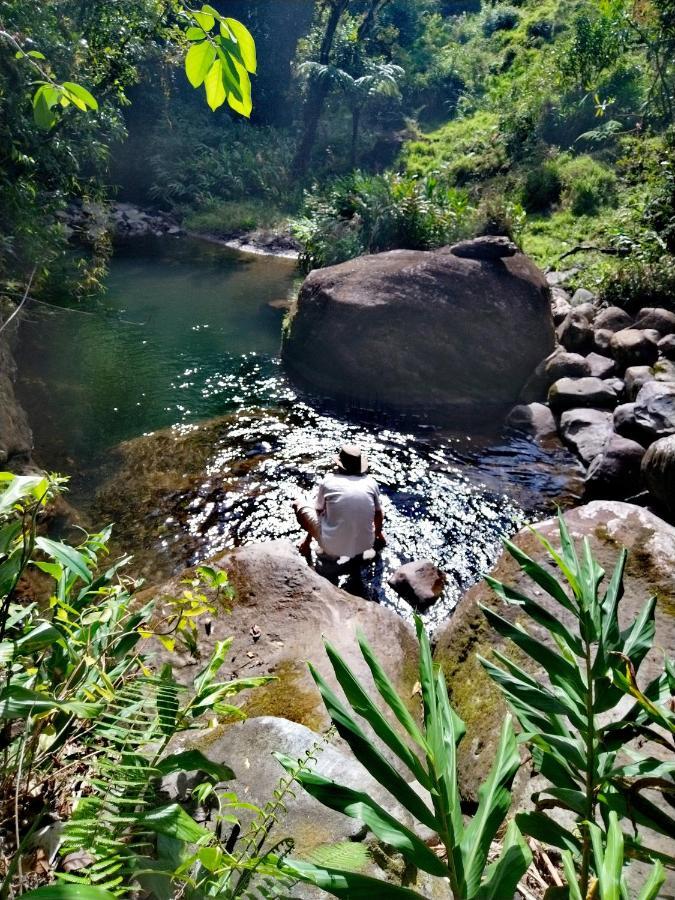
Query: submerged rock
[(422, 330), (420, 583)]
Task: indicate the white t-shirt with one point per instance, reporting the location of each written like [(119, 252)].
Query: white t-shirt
[(346, 506)]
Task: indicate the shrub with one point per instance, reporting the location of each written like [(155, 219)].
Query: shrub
[(636, 283), (587, 185), (502, 18), (498, 216), (542, 187), (541, 29)]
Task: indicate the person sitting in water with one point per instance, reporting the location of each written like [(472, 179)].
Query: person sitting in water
[(346, 517)]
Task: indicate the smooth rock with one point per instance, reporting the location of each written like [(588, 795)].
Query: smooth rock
[(571, 393), (487, 247), (608, 525), (419, 583), (615, 472), (602, 338), (560, 305), (587, 310), (661, 320), (562, 276), (658, 472), (411, 329), (667, 347), (600, 366), (586, 431), (632, 347), (535, 419), (581, 295), (626, 425), (561, 364), (293, 607), (576, 333), (655, 408), (635, 377), (613, 319)]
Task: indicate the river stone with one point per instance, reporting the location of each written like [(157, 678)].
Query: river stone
[(581, 295), (586, 431), (655, 408), (600, 366), (626, 425), (561, 364), (612, 319), (486, 247), (280, 613), (664, 370), (417, 330), (661, 320), (658, 471), (635, 377), (560, 304), (535, 419), (667, 346), (615, 473), (633, 347), (601, 341), (576, 333), (16, 439), (608, 525), (571, 393), (420, 583)]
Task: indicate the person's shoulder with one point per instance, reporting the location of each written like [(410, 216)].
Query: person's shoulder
[(370, 481)]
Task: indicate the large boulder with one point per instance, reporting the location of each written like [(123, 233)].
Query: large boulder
[(635, 377), (655, 408), (535, 419), (565, 365), (576, 332), (571, 393), (612, 319), (608, 525), (279, 615), (633, 347), (626, 425), (658, 472), (667, 347), (661, 320), (615, 473), (600, 366), (416, 330), (586, 431)]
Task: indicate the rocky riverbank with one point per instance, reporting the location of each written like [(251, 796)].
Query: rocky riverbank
[(16, 439)]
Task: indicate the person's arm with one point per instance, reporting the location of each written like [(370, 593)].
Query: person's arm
[(378, 522)]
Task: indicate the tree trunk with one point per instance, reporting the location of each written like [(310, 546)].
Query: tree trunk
[(356, 121), (317, 93)]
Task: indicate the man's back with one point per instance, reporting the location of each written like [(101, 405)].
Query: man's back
[(346, 505)]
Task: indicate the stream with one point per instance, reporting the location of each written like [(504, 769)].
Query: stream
[(167, 404)]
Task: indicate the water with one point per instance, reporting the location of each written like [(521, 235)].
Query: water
[(185, 337)]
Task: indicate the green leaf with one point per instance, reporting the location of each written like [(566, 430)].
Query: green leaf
[(494, 799), (541, 828), (45, 98), (652, 887), (19, 702), (22, 487), (361, 703), (71, 559), (78, 93), (638, 638), (215, 88), (194, 761), (205, 20), (174, 822), (358, 805), (69, 892), (198, 62), (195, 34), (42, 635), (213, 666), (446, 730), (541, 576), (350, 885), (571, 876), (502, 877), (245, 42)]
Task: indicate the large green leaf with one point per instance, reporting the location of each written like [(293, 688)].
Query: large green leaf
[(18, 702), (359, 805), (502, 877), (652, 887), (361, 703), (174, 822), (350, 885), (194, 761), (69, 892), (22, 487), (447, 730), (541, 828), (214, 84), (494, 799), (638, 638), (244, 39), (70, 558), (80, 96), (369, 757), (198, 61), (541, 576)]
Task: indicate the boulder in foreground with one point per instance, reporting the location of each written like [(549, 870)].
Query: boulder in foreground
[(414, 330)]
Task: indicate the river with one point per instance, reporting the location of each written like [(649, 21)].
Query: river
[(185, 339)]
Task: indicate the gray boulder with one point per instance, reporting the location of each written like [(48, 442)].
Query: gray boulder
[(561, 364), (667, 347), (419, 583), (626, 425), (487, 247), (571, 393), (560, 304), (576, 332), (422, 330), (600, 366), (602, 339), (586, 431), (658, 471), (635, 377), (655, 408), (535, 419), (664, 370), (615, 472), (581, 295), (661, 320), (612, 319), (633, 347)]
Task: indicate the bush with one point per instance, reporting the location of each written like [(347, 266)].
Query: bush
[(587, 185), (223, 218), (503, 18), (498, 216), (542, 187), (636, 283)]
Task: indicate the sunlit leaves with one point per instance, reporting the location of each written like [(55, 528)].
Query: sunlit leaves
[(49, 96), (221, 61)]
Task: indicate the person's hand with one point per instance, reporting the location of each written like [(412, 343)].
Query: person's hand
[(380, 541)]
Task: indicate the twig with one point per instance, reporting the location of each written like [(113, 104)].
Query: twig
[(589, 248), (23, 300), (553, 872), (524, 891)]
